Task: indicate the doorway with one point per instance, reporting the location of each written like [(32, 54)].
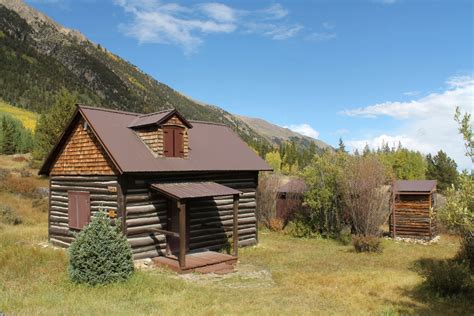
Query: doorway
[(172, 242)]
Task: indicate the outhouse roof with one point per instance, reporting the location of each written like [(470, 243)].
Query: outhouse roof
[(414, 186)]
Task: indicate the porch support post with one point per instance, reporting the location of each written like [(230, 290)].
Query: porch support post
[(235, 235), (182, 234)]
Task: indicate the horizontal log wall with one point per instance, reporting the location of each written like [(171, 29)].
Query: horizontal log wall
[(210, 219), (101, 197), (414, 217)]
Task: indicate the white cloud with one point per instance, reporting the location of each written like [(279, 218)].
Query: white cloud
[(170, 23), (303, 129), (425, 124), (321, 36), (219, 12), (276, 32), (275, 12)]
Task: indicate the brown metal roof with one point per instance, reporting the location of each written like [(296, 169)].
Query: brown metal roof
[(157, 118), (414, 186), (212, 147), (293, 186), (188, 190)]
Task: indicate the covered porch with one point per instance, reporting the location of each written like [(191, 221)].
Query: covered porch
[(178, 257)]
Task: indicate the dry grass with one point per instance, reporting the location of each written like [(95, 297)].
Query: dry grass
[(293, 276), (8, 162), (26, 117)]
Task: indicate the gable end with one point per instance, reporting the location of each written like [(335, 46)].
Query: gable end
[(82, 154)]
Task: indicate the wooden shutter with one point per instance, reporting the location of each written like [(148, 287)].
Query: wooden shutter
[(168, 146), (179, 142), (79, 210)]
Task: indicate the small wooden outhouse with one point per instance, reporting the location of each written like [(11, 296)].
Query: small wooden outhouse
[(413, 210)]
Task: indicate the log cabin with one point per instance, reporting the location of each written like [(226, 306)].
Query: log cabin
[(179, 187), (413, 209)]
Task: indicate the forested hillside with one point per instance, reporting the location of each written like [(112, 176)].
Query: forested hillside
[(38, 57)]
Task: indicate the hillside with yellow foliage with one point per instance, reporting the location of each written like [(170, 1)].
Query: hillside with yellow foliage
[(27, 118)]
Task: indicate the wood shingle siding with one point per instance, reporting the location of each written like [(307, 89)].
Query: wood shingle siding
[(155, 138), (151, 137), (82, 155)]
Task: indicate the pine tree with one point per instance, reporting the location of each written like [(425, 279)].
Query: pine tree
[(366, 150), (9, 136), (342, 146), (100, 254), (443, 169), (52, 123)]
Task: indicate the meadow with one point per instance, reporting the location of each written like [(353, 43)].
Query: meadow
[(282, 275)]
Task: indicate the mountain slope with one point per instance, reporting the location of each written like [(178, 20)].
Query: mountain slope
[(27, 118), (38, 57), (277, 134)]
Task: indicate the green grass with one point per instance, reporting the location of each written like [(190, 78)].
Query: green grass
[(26, 117), (282, 275)]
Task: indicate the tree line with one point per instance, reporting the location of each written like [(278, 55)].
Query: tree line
[(14, 137), (288, 158), (399, 162)]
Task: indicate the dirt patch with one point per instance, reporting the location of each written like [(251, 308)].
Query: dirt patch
[(244, 276)]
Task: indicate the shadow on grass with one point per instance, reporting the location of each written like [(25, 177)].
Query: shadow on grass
[(423, 300)]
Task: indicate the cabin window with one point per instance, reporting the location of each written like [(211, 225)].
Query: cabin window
[(173, 139), (79, 209)]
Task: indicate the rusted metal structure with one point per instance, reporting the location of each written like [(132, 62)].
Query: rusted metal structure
[(412, 209), (178, 186), (290, 199)]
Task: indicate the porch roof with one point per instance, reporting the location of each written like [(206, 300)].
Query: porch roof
[(188, 190)]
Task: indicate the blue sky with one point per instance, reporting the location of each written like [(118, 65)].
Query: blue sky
[(367, 71)]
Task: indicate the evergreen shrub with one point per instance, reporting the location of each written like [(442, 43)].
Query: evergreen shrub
[(100, 254)]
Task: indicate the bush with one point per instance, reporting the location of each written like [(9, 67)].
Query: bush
[(345, 236), (8, 216), (100, 254), (23, 186), (365, 196), (466, 252), (19, 158), (300, 229), (276, 224), (448, 277), (268, 185), (324, 213), (366, 244), (4, 173), (24, 173)]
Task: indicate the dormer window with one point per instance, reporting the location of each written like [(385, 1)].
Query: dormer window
[(173, 141), (164, 133)]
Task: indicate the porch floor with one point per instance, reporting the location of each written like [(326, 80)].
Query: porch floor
[(202, 262)]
